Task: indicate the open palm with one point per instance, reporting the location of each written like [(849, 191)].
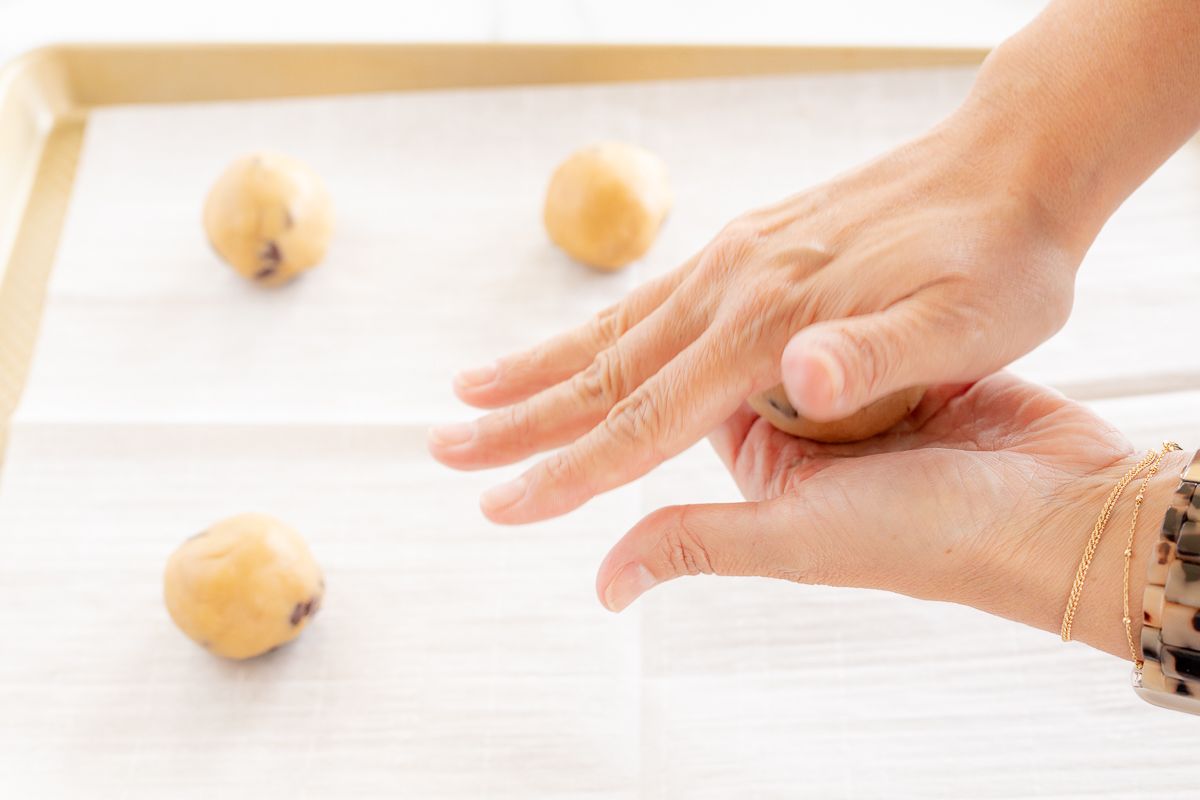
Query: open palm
[(983, 477)]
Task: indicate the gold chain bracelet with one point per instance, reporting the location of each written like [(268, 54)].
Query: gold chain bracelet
[(1090, 550), (1137, 505)]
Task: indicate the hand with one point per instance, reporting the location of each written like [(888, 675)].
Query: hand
[(932, 264), (986, 497)]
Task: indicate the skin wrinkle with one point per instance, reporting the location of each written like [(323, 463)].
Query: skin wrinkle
[(576, 406), (1022, 487), (817, 512), (726, 251), (560, 469), (602, 383), (674, 315), (760, 324), (612, 323), (637, 419), (942, 554), (560, 358), (822, 299), (690, 547), (518, 420), (1017, 564)]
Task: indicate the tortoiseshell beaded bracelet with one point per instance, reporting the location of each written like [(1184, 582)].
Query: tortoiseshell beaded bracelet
[(1170, 641)]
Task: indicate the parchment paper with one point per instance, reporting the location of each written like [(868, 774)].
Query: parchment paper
[(454, 658)]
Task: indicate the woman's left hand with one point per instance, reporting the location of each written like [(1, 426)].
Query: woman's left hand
[(985, 496)]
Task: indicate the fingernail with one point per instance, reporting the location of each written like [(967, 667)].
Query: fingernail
[(630, 582), (476, 376), (506, 494), (453, 434), (826, 381)]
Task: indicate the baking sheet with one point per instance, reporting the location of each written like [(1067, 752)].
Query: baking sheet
[(455, 658)]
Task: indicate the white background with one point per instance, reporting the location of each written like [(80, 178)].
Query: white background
[(26, 23)]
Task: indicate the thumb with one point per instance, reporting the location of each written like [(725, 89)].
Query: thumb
[(768, 538), (832, 369)]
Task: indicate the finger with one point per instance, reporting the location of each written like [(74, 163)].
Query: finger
[(516, 377), (832, 369), (878, 522), (772, 538), (561, 414), (672, 410)]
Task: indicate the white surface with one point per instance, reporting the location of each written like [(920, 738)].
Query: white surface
[(27, 23), (454, 658), (449, 659)]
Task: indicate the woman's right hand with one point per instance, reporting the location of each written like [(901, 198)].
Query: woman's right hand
[(935, 263), (986, 496)]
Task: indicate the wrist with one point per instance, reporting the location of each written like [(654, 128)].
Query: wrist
[(1099, 619), (1030, 579), (1094, 96), (1040, 150)]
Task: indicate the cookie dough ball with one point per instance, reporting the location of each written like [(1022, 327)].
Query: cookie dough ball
[(773, 406), (606, 203), (245, 586), (270, 217)]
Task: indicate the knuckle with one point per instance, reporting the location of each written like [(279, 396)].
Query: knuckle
[(815, 199), (778, 302), (680, 546), (823, 300), (519, 420), (731, 246), (868, 357), (610, 324), (559, 468), (766, 316), (744, 227), (636, 420), (602, 382)]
